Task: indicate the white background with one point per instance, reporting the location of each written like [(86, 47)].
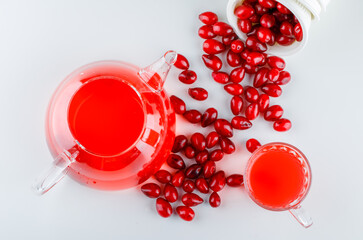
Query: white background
[(42, 41)]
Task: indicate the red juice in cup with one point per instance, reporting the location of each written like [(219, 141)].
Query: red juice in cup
[(278, 177)]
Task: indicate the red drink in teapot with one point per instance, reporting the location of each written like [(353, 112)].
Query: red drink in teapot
[(110, 125)]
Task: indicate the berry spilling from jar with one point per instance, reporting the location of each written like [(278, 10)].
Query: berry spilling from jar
[(191, 176), (269, 22)]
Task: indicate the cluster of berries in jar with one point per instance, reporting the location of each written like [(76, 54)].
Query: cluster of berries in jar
[(187, 182), (269, 22)]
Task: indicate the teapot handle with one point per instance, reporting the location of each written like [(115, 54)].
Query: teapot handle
[(55, 173)]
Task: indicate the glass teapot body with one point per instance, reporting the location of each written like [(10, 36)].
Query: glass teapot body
[(110, 125)]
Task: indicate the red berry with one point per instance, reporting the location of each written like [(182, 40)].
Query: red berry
[(254, 19), (237, 75), (263, 34), (163, 176), (252, 111), (282, 9), (298, 32), (236, 105), (193, 116), (263, 102), (286, 29), (198, 141), (214, 200), (202, 185), (181, 62), (244, 11), (273, 74), (175, 161), (227, 146), (260, 10), (198, 93), (267, 3), (245, 53), (235, 180), (189, 152), (202, 157), (212, 46), (272, 40), (178, 178), (163, 207), (227, 40), (180, 142), (223, 127), (217, 181), (241, 123), (220, 77), (276, 62), (233, 59), (267, 20), (187, 77), (237, 46), (170, 193), (273, 113), (282, 125), (212, 62), (245, 25), (222, 29), (264, 59), (260, 77), (295, 20), (206, 32), (272, 89), (178, 104), (255, 45), (280, 17), (193, 171), (234, 88), (248, 2), (284, 41), (249, 68), (252, 95), (252, 144), (284, 78), (212, 139), (208, 18), (253, 30), (209, 116), (216, 155), (209, 169), (188, 186), (191, 199), (152, 190), (185, 213), (255, 58)]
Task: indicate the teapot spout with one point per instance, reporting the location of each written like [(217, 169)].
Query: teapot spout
[(155, 74)]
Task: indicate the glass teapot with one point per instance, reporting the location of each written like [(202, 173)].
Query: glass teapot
[(110, 125)]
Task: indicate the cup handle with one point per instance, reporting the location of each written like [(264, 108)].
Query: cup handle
[(301, 216), (55, 173)]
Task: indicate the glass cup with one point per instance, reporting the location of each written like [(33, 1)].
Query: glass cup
[(294, 205)]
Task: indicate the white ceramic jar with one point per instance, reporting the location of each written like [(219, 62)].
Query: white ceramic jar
[(306, 11)]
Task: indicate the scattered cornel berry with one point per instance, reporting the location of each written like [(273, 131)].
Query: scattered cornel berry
[(192, 176)]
